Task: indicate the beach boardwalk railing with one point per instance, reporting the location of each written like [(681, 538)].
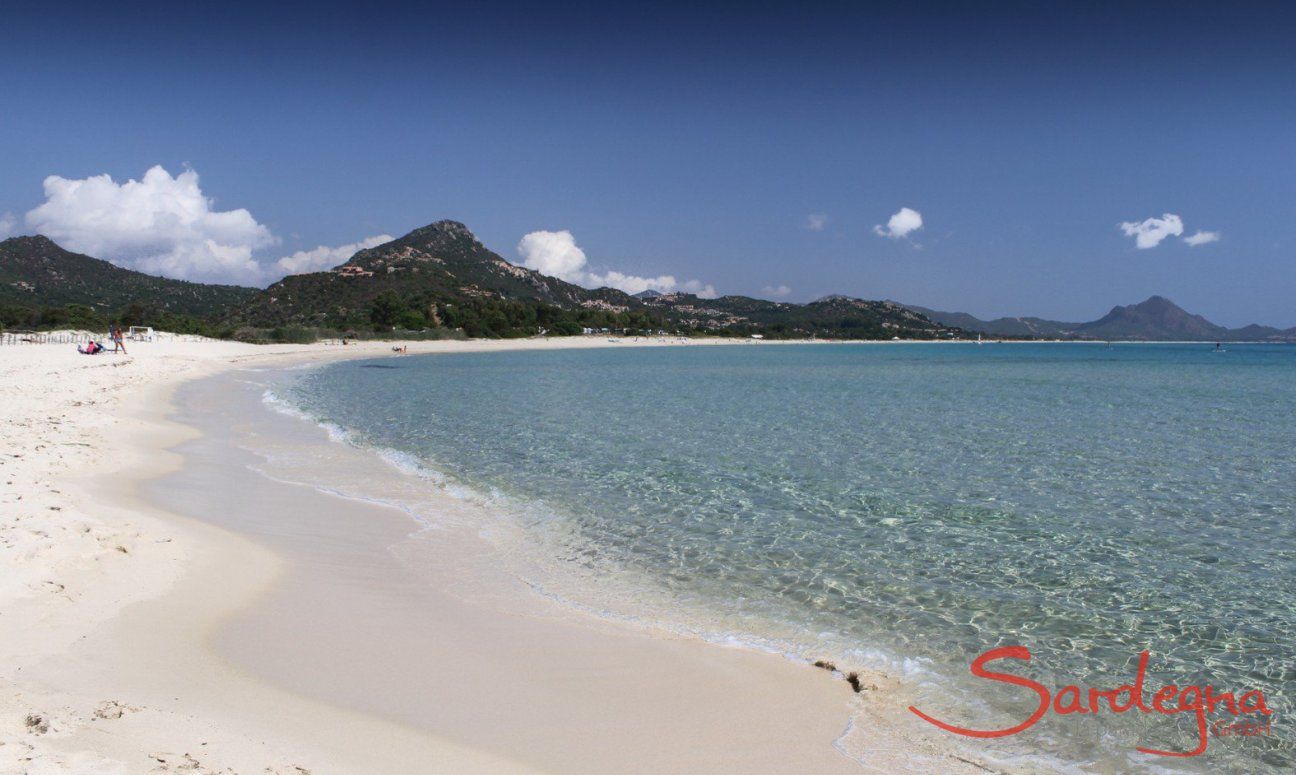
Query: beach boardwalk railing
[(45, 337)]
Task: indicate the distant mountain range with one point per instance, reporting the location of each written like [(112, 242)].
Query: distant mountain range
[(35, 272), (437, 277), (442, 276), (1156, 319)]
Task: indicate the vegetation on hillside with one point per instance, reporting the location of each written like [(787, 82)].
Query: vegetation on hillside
[(37, 274), (434, 282), (442, 276), (87, 318)]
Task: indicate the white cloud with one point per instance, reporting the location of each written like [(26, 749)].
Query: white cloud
[(553, 253), (556, 254), (159, 224), (777, 291), (1202, 238), (1149, 233), (816, 221), (901, 225), (324, 257), (629, 283), (165, 225), (698, 288), (7, 224)]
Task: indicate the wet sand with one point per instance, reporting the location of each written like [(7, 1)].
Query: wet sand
[(172, 608)]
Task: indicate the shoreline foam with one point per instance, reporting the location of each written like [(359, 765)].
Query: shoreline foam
[(438, 625), (881, 673), (109, 602), (719, 636), (110, 665)]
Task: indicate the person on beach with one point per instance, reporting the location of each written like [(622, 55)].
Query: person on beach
[(116, 335)]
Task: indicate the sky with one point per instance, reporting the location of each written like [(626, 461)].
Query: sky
[(1047, 159)]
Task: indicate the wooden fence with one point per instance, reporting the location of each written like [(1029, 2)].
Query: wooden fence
[(81, 337)]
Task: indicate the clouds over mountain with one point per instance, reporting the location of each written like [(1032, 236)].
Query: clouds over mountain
[(159, 224), (325, 257), (165, 225), (556, 253)]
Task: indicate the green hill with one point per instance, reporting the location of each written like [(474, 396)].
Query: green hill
[(440, 264), (836, 317), (439, 278), (1024, 327), (442, 276), (36, 274)]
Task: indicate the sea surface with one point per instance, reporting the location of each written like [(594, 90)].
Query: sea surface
[(900, 507)]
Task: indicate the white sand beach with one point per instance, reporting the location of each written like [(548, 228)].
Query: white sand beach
[(138, 639)]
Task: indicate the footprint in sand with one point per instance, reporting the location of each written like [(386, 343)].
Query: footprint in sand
[(110, 710), (37, 723), (171, 762)]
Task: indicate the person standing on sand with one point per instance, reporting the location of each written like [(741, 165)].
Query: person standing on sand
[(116, 335)]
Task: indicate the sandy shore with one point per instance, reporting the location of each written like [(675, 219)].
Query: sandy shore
[(157, 620)]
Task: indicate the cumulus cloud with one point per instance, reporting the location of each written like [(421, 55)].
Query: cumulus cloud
[(324, 257), (816, 221), (901, 225), (699, 289), (776, 291), (159, 224), (556, 254), (1149, 233), (8, 223), (1202, 238), (630, 283)]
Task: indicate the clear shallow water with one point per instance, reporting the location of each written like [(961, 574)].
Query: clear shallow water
[(902, 506)]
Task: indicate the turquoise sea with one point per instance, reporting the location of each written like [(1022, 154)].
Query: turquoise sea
[(903, 507)]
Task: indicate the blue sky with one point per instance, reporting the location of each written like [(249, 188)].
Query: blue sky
[(693, 141)]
